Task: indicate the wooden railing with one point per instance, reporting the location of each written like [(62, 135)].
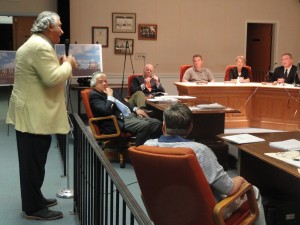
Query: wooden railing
[(100, 195)]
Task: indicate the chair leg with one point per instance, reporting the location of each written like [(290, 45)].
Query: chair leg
[(121, 158)]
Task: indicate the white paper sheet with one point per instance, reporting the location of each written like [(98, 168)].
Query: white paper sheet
[(243, 138)]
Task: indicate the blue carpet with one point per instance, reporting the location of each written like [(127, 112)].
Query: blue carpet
[(10, 203)]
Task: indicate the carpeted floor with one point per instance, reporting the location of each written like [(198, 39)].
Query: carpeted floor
[(10, 203)]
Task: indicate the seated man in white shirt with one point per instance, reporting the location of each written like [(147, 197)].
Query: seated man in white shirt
[(146, 85), (177, 124), (287, 72)]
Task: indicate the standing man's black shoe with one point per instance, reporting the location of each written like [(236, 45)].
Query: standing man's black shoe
[(50, 202), (44, 214)]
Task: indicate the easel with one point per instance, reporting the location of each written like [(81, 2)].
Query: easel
[(126, 48)]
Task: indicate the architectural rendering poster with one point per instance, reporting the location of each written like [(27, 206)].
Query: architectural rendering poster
[(88, 58), (7, 67)]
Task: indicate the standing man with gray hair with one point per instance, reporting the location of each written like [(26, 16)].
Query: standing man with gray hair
[(37, 109)]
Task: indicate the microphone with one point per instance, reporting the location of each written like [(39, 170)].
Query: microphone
[(275, 64), (270, 72), (296, 76), (67, 45)]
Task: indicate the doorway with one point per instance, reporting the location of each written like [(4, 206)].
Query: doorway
[(21, 29), (6, 37), (259, 49)]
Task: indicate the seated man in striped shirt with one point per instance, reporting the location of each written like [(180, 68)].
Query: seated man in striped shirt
[(177, 124)]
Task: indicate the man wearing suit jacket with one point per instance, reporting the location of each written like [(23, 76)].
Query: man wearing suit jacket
[(104, 102), (37, 109), (146, 84), (287, 72)]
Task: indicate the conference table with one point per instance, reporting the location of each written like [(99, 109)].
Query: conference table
[(261, 105), (270, 175), (207, 123)]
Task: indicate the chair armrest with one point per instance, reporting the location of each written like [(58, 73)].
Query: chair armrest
[(104, 136), (247, 189)]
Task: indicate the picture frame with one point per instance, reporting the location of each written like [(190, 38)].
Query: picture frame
[(120, 46), (147, 31), (123, 22), (100, 36)]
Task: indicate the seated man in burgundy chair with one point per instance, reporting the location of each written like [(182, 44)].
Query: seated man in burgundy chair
[(177, 124), (197, 73), (146, 85), (104, 101)]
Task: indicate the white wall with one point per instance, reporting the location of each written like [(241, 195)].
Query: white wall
[(216, 29)]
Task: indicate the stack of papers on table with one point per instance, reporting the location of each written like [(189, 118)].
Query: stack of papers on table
[(243, 138), (169, 98), (284, 159), (211, 106), (288, 145), (162, 99)]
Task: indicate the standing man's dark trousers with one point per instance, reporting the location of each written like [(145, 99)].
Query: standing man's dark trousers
[(32, 150)]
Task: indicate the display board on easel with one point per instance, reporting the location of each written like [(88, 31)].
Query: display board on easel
[(7, 67), (88, 58)]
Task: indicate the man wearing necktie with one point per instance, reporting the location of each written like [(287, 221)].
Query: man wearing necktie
[(147, 84), (104, 102), (287, 73)]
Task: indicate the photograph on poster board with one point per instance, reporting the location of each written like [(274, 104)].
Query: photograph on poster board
[(7, 67), (88, 58)]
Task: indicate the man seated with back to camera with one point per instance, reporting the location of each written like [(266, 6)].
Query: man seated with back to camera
[(146, 85), (177, 124), (287, 73), (197, 73), (104, 101)]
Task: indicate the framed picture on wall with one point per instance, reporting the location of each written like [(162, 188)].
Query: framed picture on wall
[(123, 22), (147, 31), (123, 45), (100, 36)]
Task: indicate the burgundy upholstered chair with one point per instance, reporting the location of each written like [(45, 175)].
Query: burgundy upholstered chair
[(175, 190), (120, 141), (129, 82), (228, 68), (183, 68)]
